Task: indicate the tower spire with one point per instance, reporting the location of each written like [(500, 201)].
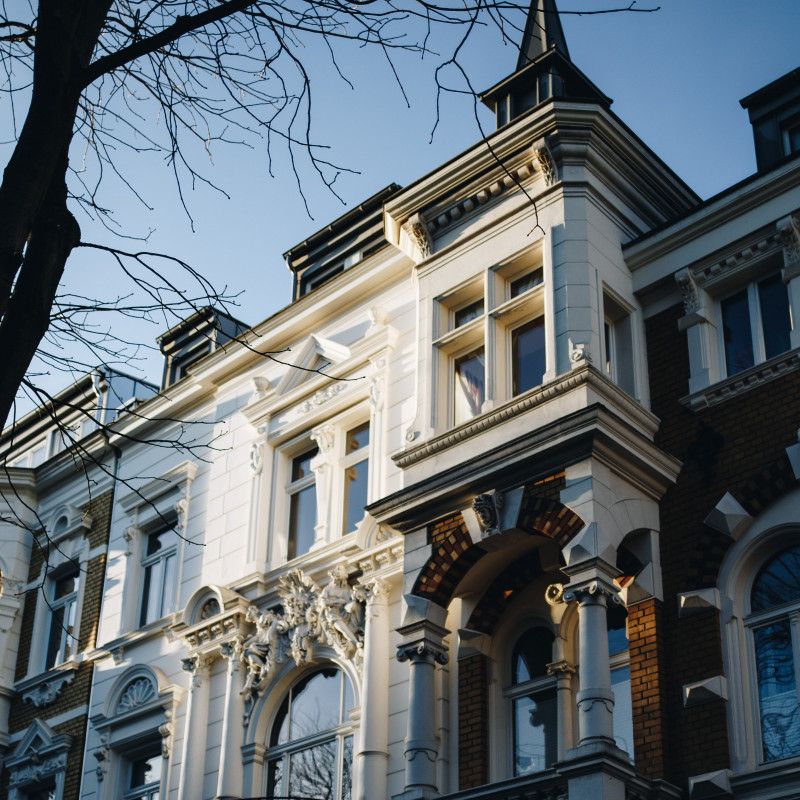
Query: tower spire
[(542, 31)]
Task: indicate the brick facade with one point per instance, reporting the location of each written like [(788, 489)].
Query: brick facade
[(473, 715)]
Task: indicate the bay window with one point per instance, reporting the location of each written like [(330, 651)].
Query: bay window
[(489, 339)]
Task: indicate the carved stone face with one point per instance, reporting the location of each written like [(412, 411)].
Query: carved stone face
[(484, 508)]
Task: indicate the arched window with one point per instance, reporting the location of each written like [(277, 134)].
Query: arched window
[(532, 696), (311, 742), (774, 622)]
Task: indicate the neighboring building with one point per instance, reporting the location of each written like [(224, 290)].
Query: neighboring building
[(515, 514)]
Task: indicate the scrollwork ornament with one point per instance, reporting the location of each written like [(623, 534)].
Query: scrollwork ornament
[(688, 288), (257, 457), (554, 594)]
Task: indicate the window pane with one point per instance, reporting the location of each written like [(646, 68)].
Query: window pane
[(302, 519), (737, 334), (65, 586), (347, 769), (169, 585), (521, 285), (275, 779), (355, 494), (535, 732), (357, 438), (532, 653), (617, 634), (528, 355), (623, 711), (312, 772), (145, 770), (159, 541), (773, 298), (470, 387), (777, 691), (778, 582), (468, 313), (315, 704), (151, 593), (56, 636), (301, 466)]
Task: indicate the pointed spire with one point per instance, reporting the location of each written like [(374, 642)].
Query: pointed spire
[(542, 31)]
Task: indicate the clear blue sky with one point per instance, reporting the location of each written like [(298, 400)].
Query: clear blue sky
[(675, 76)]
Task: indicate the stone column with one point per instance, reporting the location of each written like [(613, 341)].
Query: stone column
[(563, 672), (230, 774), (421, 746), (190, 785), (323, 465), (372, 754)]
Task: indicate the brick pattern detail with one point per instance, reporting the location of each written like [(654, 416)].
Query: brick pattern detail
[(550, 518), (473, 722), (77, 692), (451, 560), (503, 591), (737, 446), (646, 641)]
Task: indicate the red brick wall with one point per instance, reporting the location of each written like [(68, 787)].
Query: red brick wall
[(473, 728), (736, 446)]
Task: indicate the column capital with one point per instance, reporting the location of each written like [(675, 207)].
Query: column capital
[(561, 669), (595, 590), (198, 667), (423, 651)]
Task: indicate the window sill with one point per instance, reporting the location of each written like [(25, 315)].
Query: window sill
[(43, 689), (751, 378), (779, 779)]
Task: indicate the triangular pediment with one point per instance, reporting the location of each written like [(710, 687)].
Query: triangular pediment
[(38, 737), (315, 355)]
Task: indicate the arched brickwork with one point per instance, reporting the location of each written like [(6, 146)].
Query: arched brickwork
[(455, 553)]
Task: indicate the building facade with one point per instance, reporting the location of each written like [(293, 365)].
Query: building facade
[(515, 514)]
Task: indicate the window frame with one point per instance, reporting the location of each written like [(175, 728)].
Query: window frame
[(295, 488), (67, 631), (346, 729), (504, 312), (755, 319), (147, 566)]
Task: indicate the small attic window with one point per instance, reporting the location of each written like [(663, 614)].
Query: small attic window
[(60, 525)]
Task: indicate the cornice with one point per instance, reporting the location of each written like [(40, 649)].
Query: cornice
[(732, 205)]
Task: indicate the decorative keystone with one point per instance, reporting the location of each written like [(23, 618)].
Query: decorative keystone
[(728, 517), (711, 784), (793, 454), (701, 692), (700, 600)]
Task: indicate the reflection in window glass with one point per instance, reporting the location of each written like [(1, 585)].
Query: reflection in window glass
[(64, 608), (470, 386), (777, 691), (773, 298), (159, 563), (521, 285), (467, 313), (736, 332), (356, 475), (302, 505), (311, 746), (528, 356), (778, 582), (535, 732), (617, 617), (145, 778)]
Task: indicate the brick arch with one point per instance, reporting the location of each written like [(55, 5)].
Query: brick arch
[(455, 552)]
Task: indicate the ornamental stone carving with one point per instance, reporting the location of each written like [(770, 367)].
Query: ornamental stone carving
[(137, 694), (43, 692), (417, 230), (688, 288), (789, 231), (487, 508), (546, 163), (310, 617)]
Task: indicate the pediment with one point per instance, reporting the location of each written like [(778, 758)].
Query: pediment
[(37, 738), (313, 355)]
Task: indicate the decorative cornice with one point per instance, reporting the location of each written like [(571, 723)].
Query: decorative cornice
[(744, 381)]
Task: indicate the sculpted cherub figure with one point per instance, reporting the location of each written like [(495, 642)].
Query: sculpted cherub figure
[(341, 614)]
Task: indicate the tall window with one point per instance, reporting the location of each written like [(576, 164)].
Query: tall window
[(490, 339), (755, 324), (774, 622), (144, 778), (356, 475), (620, 678), (64, 606), (532, 696), (311, 743), (302, 505), (159, 576), (618, 344)]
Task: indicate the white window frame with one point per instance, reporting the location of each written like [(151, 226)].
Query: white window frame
[(159, 504), (68, 630), (154, 565), (328, 477), (619, 319), (491, 331)]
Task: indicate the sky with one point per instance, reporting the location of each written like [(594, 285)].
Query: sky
[(675, 75)]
